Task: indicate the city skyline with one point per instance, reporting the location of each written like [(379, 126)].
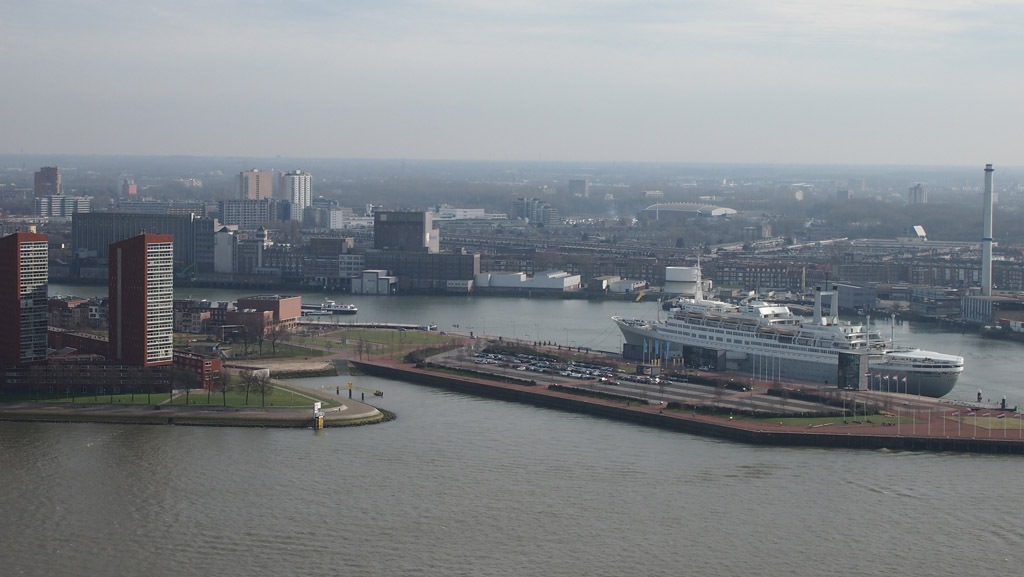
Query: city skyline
[(862, 82)]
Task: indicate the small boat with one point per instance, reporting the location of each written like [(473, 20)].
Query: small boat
[(340, 309)]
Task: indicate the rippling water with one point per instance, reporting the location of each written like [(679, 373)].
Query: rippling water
[(463, 486)]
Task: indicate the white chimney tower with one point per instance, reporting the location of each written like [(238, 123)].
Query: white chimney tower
[(986, 238)]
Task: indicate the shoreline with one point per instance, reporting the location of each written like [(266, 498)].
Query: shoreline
[(350, 413), (838, 435)]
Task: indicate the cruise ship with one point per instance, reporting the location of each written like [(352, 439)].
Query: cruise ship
[(770, 342)]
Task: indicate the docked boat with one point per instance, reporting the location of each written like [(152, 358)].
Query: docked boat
[(770, 342), (1006, 329), (328, 308), (314, 311), (340, 309)]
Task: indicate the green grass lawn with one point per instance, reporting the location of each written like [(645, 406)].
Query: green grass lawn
[(391, 336), (281, 398), (285, 351), (118, 399)]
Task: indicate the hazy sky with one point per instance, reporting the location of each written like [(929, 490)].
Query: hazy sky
[(808, 81)]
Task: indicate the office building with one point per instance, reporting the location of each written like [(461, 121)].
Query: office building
[(92, 233), (47, 182), (297, 187), (141, 303), (247, 214), (255, 184), (405, 231), (23, 299), (61, 206)]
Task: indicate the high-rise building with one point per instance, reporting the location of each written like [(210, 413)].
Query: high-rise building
[(297, 187), (141, 303), (255, 184), (47, 182), (129, 188), (579, 188), (535, 210), (405, 231), (23, 299), (917, 194)]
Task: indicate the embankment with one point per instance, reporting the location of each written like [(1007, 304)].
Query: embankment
[(758, 433)]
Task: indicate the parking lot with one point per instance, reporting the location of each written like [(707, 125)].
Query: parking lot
[(652, 390)]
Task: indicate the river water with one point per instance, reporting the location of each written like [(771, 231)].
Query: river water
[(991, 365), (459, 485)]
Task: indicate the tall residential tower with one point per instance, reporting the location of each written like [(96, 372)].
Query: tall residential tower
[(47, 182), (141, 307), (255, 184), (23, 298), (297, 187)]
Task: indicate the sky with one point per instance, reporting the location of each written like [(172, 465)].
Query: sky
[(929, 82)]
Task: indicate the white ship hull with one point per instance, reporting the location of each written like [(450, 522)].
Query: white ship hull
[(769, 359)]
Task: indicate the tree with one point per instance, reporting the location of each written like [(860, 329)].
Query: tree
[(253, 332), (263, 386), (221, 384), (249, 378), (276, 333)]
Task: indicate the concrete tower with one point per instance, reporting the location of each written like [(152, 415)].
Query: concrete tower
[(986, 236)]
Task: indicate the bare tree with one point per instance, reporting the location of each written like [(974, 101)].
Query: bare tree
[(249, 378), (255, 332), (276, 333), (263, 386), (221, 385)]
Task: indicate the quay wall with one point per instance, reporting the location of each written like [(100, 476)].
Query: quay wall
[(685, 423)]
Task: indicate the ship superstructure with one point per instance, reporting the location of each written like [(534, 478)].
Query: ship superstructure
[(772, 343)]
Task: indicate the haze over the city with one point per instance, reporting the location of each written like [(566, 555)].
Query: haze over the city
[(854, 82)]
